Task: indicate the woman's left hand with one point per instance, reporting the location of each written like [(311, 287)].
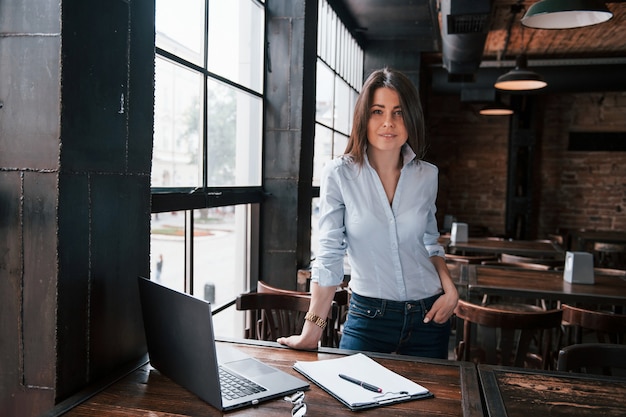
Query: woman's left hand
[(443, 308)]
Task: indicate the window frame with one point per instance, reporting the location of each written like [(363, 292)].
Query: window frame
[(188, 199)]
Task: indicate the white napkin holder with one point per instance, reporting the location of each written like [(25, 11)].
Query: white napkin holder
[(458, 233), (578, 268)]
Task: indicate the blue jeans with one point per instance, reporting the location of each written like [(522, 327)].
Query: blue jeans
[(385, 326)]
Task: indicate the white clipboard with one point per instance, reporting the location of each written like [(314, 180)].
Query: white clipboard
[(394, 387)]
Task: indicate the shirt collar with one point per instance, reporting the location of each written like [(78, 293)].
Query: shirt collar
[(407, 155)]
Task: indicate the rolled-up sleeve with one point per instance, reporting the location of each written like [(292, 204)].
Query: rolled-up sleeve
[(431, 235), (328, 266)]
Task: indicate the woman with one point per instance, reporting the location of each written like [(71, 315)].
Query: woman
[(377, 202)]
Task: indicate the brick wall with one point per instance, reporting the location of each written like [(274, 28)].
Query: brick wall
[(577, 189)]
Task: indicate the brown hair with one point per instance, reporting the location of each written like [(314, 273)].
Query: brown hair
[(412, 113)]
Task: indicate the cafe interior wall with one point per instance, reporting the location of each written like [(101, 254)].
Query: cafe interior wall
[(76, 128), (575, 189), (471, 153)]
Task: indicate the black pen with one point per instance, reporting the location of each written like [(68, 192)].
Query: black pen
[(361, 383)]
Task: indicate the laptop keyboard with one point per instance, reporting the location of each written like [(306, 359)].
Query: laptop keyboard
[(234, 386)]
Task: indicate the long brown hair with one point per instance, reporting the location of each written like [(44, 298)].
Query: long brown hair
[(412, 113)]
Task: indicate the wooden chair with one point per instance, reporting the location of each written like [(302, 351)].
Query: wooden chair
[(522, 265), (593, 358), (489, 299), (263, 287), (508, 258), (340, 304), (557, 238), (277, 315), (507, 333), (608, 327), (609, 255), (341, 296), (610, 272), (469, 259)]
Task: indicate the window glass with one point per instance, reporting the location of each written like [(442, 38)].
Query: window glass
[(219, 261), (180, 28), (339, 144), (343, 111), (167, 249), (315, 217), (234, 126), (353, 98), (323, 151), (235, 45), (177, 149), (324, 93)]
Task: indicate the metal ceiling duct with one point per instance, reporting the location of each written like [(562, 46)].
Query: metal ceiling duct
[(464, 28)]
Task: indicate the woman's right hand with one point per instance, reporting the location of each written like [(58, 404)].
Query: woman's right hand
[(307, 340), (321, 299)]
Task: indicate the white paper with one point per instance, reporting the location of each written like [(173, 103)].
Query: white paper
[(359, 366)]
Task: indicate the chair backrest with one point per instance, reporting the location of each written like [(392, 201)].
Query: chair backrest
[(276, 315), (593, 358), (609, 255), (339, 308), (469, 259), (264, 287), (610, 272), (341, 296), (609, 327), (507, 334), (507, 257), (522, 265), (609, 247)]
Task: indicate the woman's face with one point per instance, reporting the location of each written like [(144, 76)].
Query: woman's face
[(385, 126)]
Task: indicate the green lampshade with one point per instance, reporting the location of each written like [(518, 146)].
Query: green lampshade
[(520, 78), (566, 14)]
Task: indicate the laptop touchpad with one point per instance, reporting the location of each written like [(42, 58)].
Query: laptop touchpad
[(250, 367)]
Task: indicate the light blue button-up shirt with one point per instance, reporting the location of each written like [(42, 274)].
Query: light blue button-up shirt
[(388, 246)]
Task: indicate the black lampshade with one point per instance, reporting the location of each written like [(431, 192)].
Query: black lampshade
[(520, 78), (496, 109)]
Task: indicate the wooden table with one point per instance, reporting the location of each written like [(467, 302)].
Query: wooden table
[(530, 248), (549, 285), (514, 392), (146, 392), (583, 240)]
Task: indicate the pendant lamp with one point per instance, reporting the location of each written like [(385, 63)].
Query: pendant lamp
[(566, 14), (520, 78), (496, 109)]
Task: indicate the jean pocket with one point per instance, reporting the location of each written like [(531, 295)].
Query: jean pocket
[(363, 310), (444, 324)]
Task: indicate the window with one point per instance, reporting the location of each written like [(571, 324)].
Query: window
[(206, 162), (339, 80)]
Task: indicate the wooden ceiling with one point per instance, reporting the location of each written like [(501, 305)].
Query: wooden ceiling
[(416, 22)]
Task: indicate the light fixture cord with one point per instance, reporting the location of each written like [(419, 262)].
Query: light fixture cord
[(515, 10)]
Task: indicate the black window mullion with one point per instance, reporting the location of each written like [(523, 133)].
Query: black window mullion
[(205, 102)]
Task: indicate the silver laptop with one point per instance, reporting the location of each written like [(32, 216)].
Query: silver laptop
[(181, 345)]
